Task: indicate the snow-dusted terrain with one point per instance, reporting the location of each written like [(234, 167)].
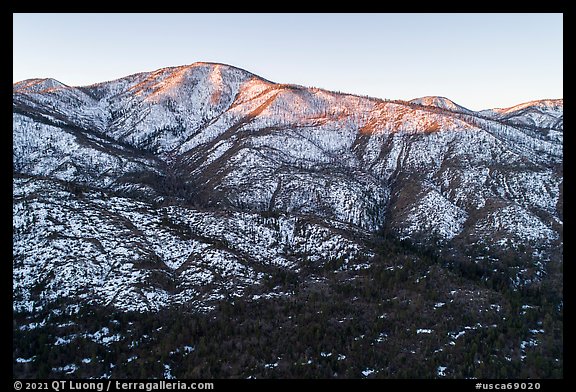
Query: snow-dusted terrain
[(193, 184)]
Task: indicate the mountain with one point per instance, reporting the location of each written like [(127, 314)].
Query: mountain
[(194, 186), (440, 102), (547, 113)]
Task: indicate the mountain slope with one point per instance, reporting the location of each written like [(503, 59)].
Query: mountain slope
[(214, 135), (193, 186)]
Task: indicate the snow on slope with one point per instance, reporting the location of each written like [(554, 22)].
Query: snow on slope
[(123, 252), (547, 113), (285, 170)]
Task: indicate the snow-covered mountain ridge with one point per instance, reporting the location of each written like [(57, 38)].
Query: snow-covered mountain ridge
[(192, 184)]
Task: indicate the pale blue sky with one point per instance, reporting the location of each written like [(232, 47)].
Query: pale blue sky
[(478, 60)]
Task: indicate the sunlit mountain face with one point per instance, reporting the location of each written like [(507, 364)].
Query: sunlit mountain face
[(170, 219)]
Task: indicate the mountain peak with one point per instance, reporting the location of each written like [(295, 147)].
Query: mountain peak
[(439, 102), (37, 85), (546, 104)]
